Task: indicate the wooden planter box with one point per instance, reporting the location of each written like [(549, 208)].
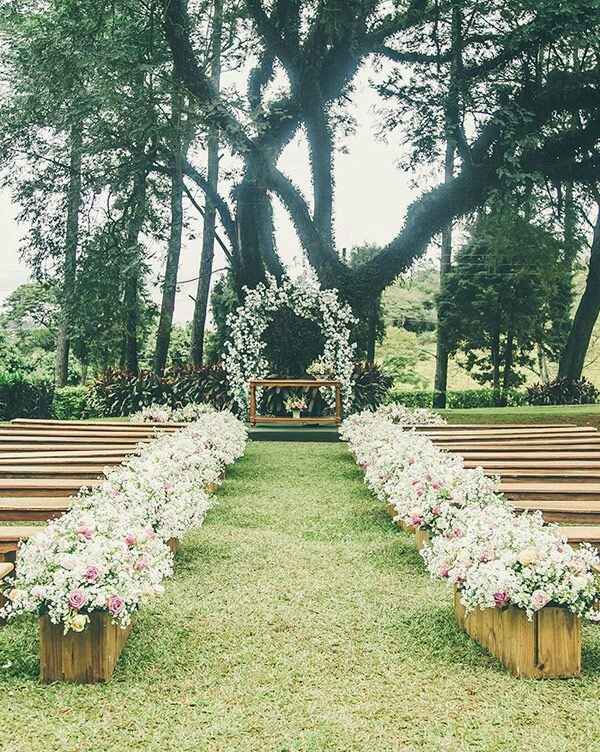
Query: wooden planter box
[(422, 538), (548, 647), (173, 544), (391, 510), (212, 488), (84, 657)]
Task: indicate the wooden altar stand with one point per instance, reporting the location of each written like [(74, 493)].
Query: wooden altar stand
[(295, 384)]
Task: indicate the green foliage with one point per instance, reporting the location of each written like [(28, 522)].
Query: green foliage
[(292, 343), (563, 392), (22, 398), (122, 393), (496, 304), (460, 399), (223, 301), (371, 386), (72, 403)]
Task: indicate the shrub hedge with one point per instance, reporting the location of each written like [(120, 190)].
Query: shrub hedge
[(464, 399), (22, 398), (72, 403)]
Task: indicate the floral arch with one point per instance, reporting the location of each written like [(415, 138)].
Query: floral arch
[(244, 352)]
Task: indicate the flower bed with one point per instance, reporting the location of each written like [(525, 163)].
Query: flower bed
[(468, 533), (114, 548)]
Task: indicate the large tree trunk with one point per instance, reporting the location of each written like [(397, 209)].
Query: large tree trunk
[(163, 337), (573, 356), (208, 232), (133, 269), (441, 354), (61, 370)]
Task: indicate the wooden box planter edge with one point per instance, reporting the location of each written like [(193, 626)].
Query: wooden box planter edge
[(86, 657), (547, 647)]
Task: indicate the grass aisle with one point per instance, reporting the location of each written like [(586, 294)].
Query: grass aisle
[(299, 619)]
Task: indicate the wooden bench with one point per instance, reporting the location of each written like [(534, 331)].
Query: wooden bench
[(60, 458), (82, 472), (33, 508), (67, 446), (577, 534), (69, 437), (565, 512), (11, 536), (17, 487), (545, 475), (76, 424), (550, 491)]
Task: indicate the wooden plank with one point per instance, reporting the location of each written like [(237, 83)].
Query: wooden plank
[(582, 534), (15, 533), (486, 426), (75, 436), (548, 646), (84, 657), (53, 471), (548, 446), (59, 458), (550, 491), (43, 487), (573, 442), (95, 423), (534, 464), (566, 512), (274, 383), (556, 475), (33, 509), (273, 419), (492, 431), (58, 448)]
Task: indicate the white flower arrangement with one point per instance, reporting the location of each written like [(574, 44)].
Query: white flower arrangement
[(494, 556), (109, 552), (244, 352), (156, 413)]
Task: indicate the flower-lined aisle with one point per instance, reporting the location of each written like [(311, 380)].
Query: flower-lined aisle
[(493, 556), (111, 551)]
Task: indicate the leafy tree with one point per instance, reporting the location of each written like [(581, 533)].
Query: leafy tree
[(497, 297)]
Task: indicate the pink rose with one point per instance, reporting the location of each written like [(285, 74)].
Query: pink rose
[(115, 604), (444, 571), (85, 532), (149, 534), (130, 539), (77, 599), (169, 487), (435, 485), (141, 564), (501, 599), (92, 573), (415, 520), (539, 598), (436, 511)]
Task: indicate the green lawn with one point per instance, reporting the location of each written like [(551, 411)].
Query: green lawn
[(578, 414), (300, 618)]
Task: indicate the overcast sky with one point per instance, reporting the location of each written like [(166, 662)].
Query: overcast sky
[(371, 199)]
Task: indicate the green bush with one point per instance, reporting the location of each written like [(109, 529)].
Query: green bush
[(71, 403), (563, 392), (461, 400), (371, 386), (22, 398), (122, 393)]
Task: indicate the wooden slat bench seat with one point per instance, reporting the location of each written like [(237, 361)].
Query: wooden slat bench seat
[(491, 443), (66, 437), (487, 426), (522, 446), (43, 486), (558, 491), (33, 509), (538, 459), (120, 433), (95, 423), (563, 512), (582, 534), (83, 472), (10, 537), (27, 446), (506, 435), (60, 458), (545, 475)]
